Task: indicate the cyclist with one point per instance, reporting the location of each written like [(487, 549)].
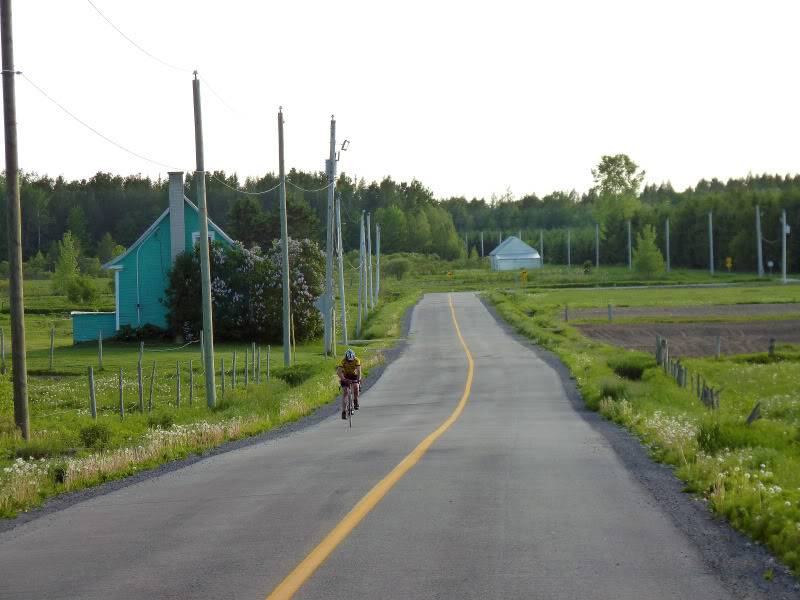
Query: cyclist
[(349, 371)]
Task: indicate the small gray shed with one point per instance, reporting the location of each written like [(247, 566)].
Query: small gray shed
[(514, 254)]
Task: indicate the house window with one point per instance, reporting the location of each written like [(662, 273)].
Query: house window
[(196, 237)]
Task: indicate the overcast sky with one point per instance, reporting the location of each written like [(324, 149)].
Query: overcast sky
[(471, 98)]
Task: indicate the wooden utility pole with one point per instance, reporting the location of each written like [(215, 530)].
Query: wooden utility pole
[(666, 243), (360, 277), (597, 245), (19, 369), (481, 244), (371, 294), (784, 234), (328, 304), (710, 243), (759, 245), (541, 245), (569, 247), (377, 261), (340, 251), (205, 261), (287, 341), (630, 249)]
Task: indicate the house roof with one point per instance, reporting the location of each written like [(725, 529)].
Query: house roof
[(113, 263), (514, 247)]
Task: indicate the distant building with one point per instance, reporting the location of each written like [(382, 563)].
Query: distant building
[(513, 254), (141, 273)]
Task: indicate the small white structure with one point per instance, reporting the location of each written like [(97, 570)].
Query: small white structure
[(513, 254)]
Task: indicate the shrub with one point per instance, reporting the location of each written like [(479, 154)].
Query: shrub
[(96, 435), (631, 366), (89, 266), (246, 292), (615, 390), (164, 421), (81, 290), (398, 267), (296, 374), (58, 472), (39, 448), (587, 267), (127, 333)]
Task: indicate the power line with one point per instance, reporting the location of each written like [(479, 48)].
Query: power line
[(93, 130), (305, 190), (157, 59), (230, 187), (128, 150), (134, 44)]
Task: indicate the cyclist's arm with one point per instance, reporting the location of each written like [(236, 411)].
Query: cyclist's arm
[(358, 372)]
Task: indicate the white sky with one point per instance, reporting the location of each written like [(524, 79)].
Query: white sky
[(470, 98)]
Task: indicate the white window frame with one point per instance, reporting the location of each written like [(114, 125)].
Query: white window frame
[(212, 236)]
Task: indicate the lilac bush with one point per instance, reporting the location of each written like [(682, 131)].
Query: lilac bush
[(246, 290)]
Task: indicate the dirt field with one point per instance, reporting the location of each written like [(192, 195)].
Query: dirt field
[(701, 310), (697, 339)]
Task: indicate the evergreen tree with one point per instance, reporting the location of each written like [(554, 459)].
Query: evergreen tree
[(647, 258)]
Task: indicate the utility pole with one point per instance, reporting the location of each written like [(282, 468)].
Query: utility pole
[(784, 234), (630, 250), (378, 261), (287, 339), (328, 302), (19, 368), (341, 267), (541, 245), (666, 242), (569, 247), (597, 245), (360, 277), (481, 244), (759, 249), (466, 244), (369, 264), (205, 262), (710, 244)]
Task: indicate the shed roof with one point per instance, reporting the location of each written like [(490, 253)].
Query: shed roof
[(513, 246), (114, 261)]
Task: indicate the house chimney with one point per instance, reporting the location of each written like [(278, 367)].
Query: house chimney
[(177, 225)]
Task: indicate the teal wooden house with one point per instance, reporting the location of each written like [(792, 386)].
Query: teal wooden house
[(141, 274)]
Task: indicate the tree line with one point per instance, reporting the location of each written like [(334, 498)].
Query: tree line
[(617, 197), (108, 212)]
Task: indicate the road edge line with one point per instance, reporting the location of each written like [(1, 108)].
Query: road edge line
[(303, 571)]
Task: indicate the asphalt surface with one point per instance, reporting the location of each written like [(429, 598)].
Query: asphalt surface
[(521, 498)]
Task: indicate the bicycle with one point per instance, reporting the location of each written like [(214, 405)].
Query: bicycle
[(348, 385)]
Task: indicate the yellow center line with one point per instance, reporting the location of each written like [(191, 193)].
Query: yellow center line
[(295, 580)]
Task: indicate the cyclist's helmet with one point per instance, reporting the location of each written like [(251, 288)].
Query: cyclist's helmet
[(349, 356)]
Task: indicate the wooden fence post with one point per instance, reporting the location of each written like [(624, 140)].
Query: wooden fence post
[(139, 377), (717, 347), (269, 353), (246, 367), (233, 371), (222, 375), (152, 383), (52, 344), (191, 383), (177, 384), (253, 360), (92, 397), (258, 367), (566, 312), (121, 397)]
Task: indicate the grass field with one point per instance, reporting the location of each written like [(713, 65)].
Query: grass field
[(748, 473)]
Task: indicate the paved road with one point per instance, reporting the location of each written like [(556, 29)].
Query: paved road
[(520, 498)]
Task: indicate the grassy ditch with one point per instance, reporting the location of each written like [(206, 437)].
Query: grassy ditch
[(748, 474)]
